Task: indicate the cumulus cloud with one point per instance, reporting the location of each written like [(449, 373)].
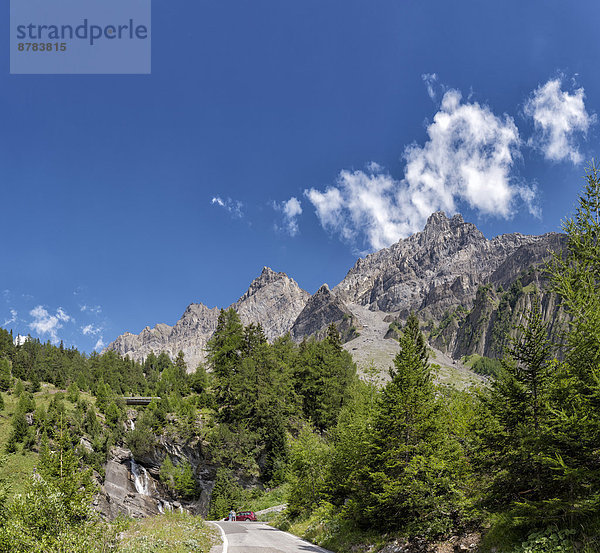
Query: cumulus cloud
[(233, 207), (44, 323), (291, 210), (13, 318), (99, 344), (467, 158), (558, 117)]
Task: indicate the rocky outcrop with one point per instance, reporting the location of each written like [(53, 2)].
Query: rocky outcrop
[(121, 493), (189, 335), (131, 487), (433, 270), (496, 313), (321, 310), (273, 299)]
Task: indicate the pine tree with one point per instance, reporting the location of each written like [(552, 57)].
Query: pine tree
[(412, 328), (224, 356), (413, 468), (5, 376)]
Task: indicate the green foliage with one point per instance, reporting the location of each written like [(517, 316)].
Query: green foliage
[(73, 392), (550, 540), (55, 513), (141, 440), (5, 376), (309, 455), (413, 469), (19, 388), (179, 478), (226, 495), (487, 366)]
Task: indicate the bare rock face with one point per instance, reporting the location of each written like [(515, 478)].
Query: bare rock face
[(432, 270), (132, 488), (189, 335), (321, 310), (273, 299), (119, 495)]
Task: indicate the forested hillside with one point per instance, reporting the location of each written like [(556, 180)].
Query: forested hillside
[(512, 467)]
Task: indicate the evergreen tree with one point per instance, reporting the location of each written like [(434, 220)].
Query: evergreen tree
[(5, 376), (412, 328), (225, 495), (413, 467), (224, 356)]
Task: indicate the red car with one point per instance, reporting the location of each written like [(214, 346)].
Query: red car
[(244, 516)]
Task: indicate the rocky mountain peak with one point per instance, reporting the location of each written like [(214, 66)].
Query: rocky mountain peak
[(437, 221), (274, 300), (323, 292), (321, 310), (430, 272), (266, 277)]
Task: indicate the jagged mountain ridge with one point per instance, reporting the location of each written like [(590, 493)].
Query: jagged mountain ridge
[(430, 272), (435, 269), (273, 299)]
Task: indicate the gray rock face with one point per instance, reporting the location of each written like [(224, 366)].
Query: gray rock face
[(133, 488), (274, 300), (432, 270), (189, 335), (321, 310), (119, 495)]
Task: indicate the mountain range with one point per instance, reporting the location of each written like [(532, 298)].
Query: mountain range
[(446, 274)]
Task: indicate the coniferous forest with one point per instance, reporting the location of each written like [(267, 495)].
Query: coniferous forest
[(515, 463)]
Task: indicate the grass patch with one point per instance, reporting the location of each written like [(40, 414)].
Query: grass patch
[(169, 533), (328, 529), (20, 465), (259, 499), (468, 360)]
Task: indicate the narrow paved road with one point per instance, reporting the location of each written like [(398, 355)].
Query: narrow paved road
[(255, 537)]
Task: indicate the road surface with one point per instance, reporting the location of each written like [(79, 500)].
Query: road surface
[(256, 537)]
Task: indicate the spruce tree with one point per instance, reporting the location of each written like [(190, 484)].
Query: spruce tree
[(224, 355), (413, 468), (5, 376)]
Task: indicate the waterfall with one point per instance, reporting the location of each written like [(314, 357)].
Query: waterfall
[(141, 480), (164, 506)]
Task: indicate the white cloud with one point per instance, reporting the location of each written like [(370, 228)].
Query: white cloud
[(20, 340), (234, 207), (291, 210), (362, 202), (99, 344), (88, 330), (13, 318), (91, 308), (430, 80), (44, 323), (467, 158), (558, 116)]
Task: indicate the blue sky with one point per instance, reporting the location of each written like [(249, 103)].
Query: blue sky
[(296, 135)]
